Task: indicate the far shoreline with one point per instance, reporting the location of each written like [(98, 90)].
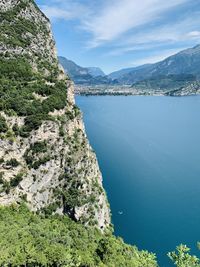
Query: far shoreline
[(128, 90)]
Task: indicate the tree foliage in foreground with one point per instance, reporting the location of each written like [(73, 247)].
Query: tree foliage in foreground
[(182, 258), (27, 239)]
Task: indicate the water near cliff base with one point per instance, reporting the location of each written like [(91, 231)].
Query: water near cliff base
[(149, 153)]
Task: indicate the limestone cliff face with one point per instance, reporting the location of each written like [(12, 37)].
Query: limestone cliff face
[(45, 157)]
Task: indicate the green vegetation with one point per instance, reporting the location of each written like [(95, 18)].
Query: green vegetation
[(18, 83), (12, 163), (17, 31), (39, 147), (182, 258), (19, 80), (16, 180), (33, 155), (3, 125), (27, 239), (40, 162)]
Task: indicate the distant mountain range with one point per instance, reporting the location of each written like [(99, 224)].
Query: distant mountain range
[(85, 76), (176, 71), (124, 72), (184, 62)]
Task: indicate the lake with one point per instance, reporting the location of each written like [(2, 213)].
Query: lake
[(148, 150)]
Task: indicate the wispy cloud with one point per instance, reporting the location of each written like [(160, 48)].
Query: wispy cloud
[(56, 13), (64, 10), (194, 34), (118, 17), (170, 34)]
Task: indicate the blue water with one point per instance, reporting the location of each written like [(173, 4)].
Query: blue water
[(149, 153)]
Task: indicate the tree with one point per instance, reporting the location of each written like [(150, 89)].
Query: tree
[(182, 258)]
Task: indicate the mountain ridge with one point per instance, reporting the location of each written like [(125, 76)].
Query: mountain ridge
[(184, 62)]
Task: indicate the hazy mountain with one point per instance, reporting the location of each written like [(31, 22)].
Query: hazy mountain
[(95, 71), (75, 71), (119, 73), (184, 62), (84, 76)]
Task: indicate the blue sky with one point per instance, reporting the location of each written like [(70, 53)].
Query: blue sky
[(115, 34)]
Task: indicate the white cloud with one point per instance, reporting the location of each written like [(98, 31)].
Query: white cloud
[(65, 10), (157, 37), (194, 34), (118, 17), (116, 51), (56, 13)]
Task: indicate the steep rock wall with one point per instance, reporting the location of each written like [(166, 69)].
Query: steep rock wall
[(45, 160)]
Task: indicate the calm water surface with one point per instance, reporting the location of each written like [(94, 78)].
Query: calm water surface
[(149, 153)]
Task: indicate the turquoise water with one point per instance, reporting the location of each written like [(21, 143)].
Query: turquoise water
[(149, 153)]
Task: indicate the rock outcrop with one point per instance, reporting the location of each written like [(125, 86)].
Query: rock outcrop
[(45, 157)]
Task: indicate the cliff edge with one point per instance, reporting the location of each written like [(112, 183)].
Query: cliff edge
[(45, 156)]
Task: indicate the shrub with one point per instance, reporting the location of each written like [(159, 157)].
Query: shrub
[(16, 180), (12, 162), (39, 147), (40, 162), (3, 125), (33, 122), (16, 129), (1, 178)]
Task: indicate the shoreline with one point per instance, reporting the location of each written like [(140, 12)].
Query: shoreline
[(126, 90), (131, 94)]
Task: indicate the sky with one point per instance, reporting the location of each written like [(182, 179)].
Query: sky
[(115, 34)]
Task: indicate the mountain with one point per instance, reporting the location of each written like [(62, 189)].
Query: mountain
[(95, 71), (74, 70), (184, 62), (118, 74), (46, 159), (84, 76)]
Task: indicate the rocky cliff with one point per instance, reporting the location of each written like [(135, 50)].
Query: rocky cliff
[(45, 157)]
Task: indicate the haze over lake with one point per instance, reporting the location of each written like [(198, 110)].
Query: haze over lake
[(149, 153)]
